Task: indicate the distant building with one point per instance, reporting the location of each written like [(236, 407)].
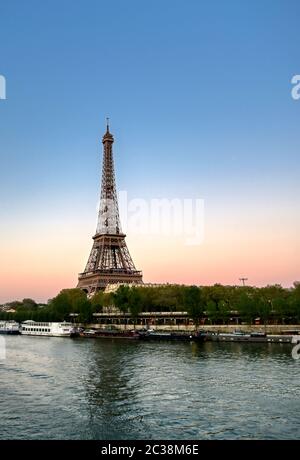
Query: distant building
[(7, 309), (115, 286)]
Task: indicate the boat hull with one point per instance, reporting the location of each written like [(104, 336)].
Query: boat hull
[(173, 337), (249, 339), (36, 334), (10, 332), (111, 335)]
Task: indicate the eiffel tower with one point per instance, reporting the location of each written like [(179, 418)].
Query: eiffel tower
[(109, 260)]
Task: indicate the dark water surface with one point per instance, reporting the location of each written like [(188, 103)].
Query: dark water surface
[(60, 388)]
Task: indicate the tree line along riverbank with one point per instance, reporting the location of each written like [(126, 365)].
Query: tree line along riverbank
[(207, 305)]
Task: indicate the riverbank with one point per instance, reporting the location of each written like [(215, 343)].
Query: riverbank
[(269, 329)]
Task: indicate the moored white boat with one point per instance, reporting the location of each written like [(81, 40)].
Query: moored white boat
[(62, 329), (9, 327)]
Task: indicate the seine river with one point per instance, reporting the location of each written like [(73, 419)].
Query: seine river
[(61, 388)]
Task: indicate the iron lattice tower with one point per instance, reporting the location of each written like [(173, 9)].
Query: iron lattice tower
[(109, 260)]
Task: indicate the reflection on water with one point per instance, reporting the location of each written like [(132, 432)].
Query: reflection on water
[(53, 388)]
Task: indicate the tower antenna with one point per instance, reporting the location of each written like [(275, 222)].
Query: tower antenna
[(243, 280)]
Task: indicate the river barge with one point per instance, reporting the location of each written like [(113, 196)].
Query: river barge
[(174, 336), (254, 337), (110, 334)]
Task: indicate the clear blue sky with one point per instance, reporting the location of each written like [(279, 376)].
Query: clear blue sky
[(198, 93)]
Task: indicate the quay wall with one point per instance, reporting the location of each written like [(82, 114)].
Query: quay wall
[(270, 328)]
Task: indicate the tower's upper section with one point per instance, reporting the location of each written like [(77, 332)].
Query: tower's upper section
[(108, 218), (108, 137)]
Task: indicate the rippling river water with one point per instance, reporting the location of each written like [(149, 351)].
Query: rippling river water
[(58, 388)]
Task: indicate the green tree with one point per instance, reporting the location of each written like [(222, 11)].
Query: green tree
[(120, 299), (29, 304), (71, 301), (97, 302), (293, 304), (264, 308), (85, 311), (246, 306), (211, 311), (193, 303), (134, 303), (61, 306), (224, 311), (15, 304)]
